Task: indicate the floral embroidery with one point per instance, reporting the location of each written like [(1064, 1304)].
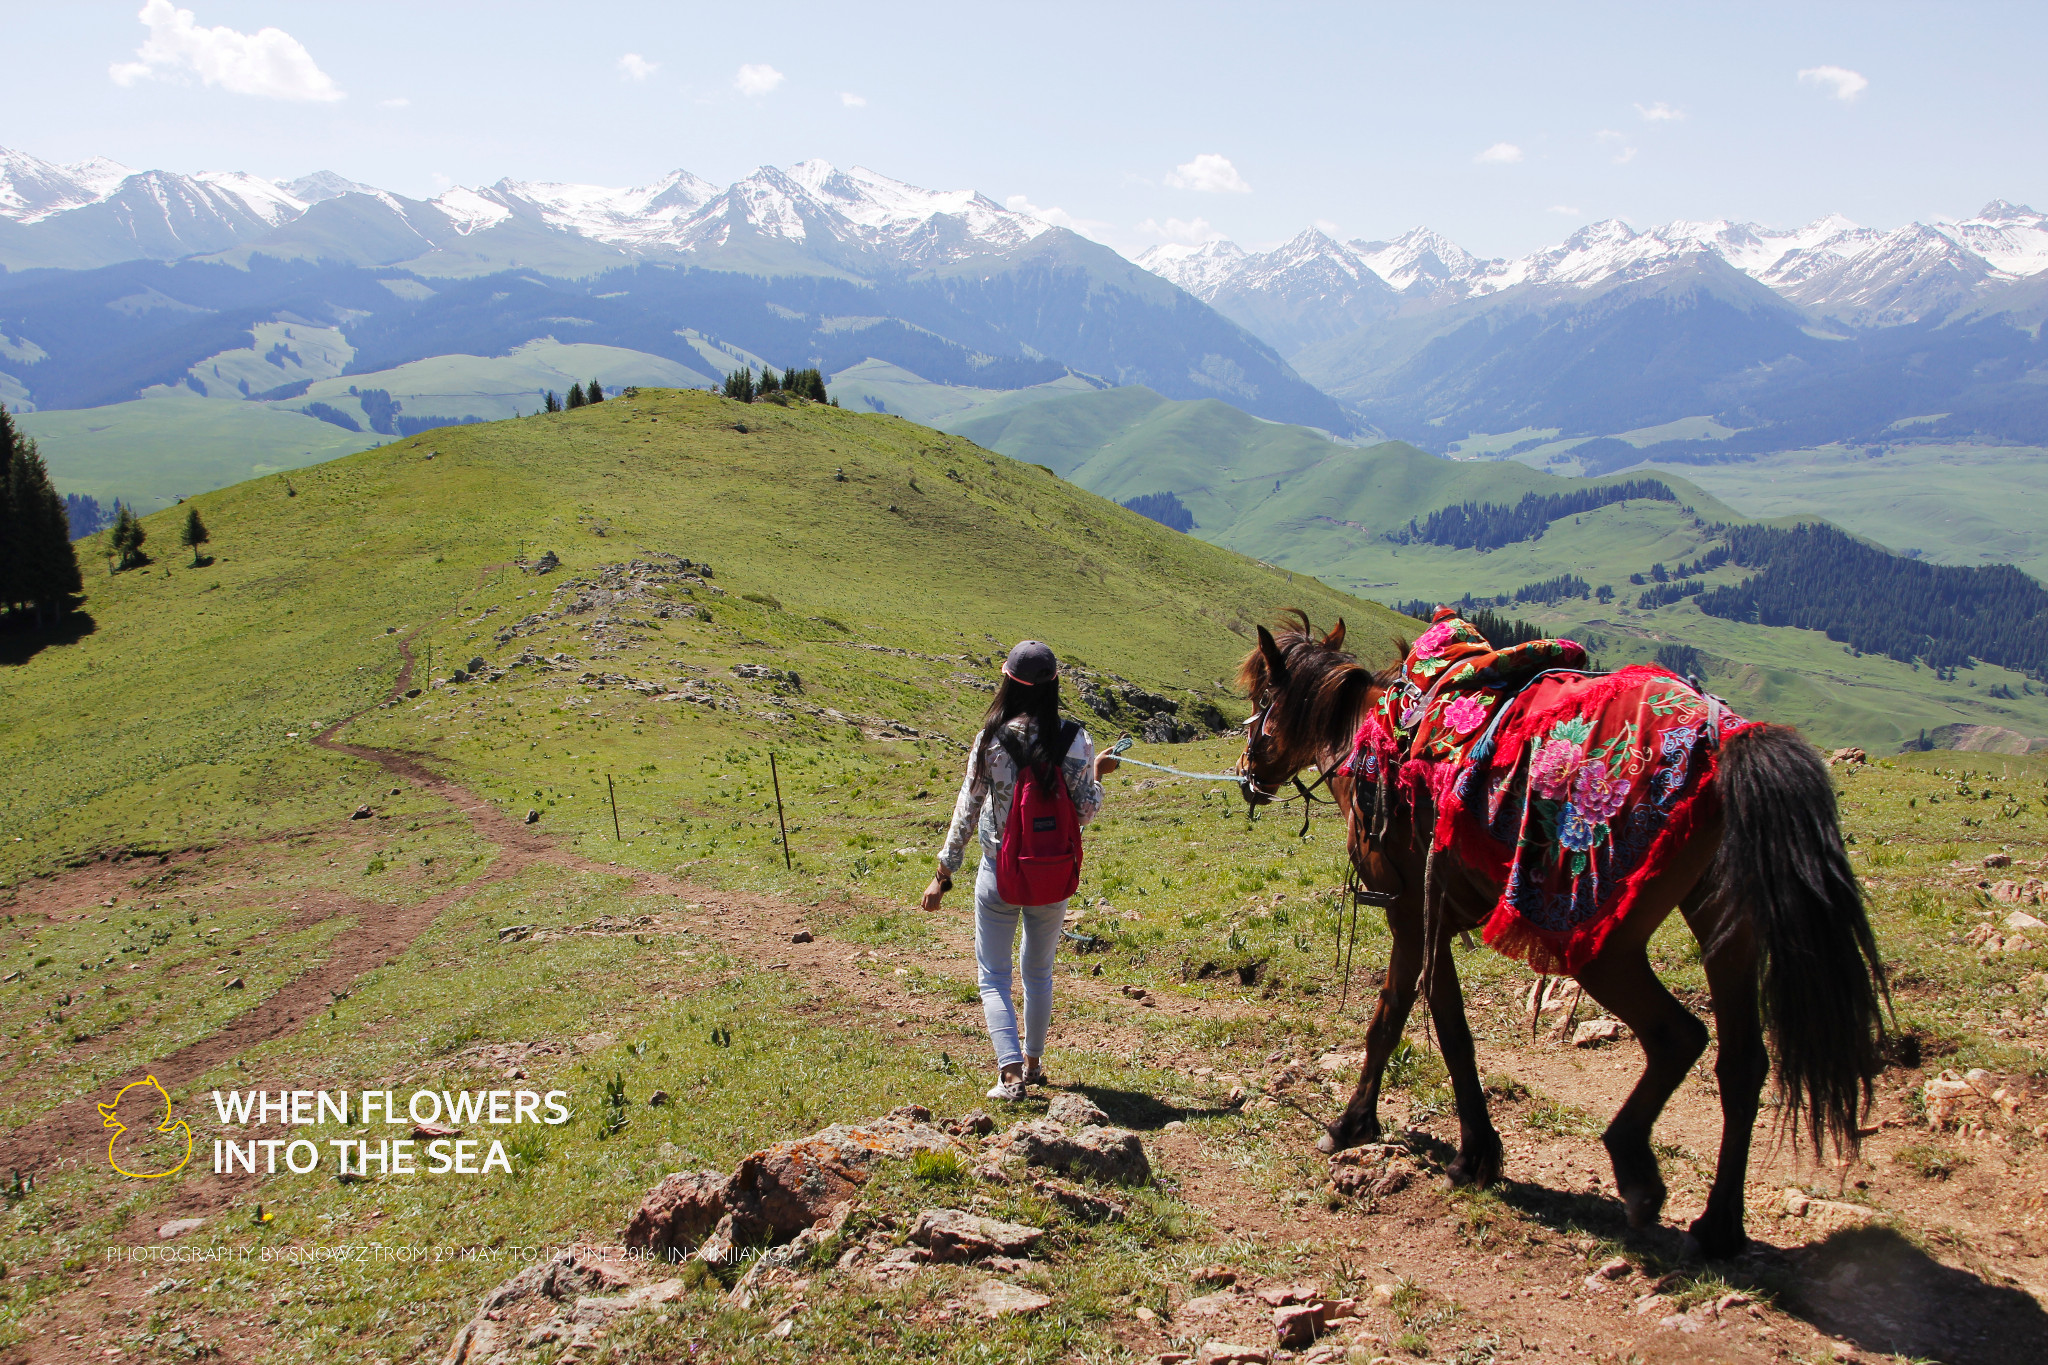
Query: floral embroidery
[(1555, 766), (1434, 639), (1598, 794), (1466, 714), (1576, 832)]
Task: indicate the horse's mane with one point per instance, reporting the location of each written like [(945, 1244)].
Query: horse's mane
[(1326, 683)]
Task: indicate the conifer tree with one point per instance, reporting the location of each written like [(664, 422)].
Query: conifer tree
[(595, 394), (194, 535), (740, 384), (126, 539), (551, 403), (575, 396), (38, 568), (769, 383)]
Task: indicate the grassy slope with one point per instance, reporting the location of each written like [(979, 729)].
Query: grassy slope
[(172, 725), (1299, 500), (921, 547)]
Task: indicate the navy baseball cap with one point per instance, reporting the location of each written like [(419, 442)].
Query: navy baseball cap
[(1032, 661)]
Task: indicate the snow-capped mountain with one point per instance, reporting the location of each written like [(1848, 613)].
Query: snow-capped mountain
[(32, 189), (1832, 268)]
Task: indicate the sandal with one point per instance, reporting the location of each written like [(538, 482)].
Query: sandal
[(1009, 1092)]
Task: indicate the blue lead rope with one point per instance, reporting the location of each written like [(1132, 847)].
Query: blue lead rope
[(1122, 746)]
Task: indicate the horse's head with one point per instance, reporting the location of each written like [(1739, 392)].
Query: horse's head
[(1292, 680)]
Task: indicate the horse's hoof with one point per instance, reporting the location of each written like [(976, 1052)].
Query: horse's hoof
[(1479, 1169), (1715, 1244), (1327, 1144), (1645, 1206)]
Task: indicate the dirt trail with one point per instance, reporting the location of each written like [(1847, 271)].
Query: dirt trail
[(1523, 1285)]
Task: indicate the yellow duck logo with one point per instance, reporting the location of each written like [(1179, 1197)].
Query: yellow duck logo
[(167, 1125)]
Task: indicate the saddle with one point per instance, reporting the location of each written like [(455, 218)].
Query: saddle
[(1565, 785)]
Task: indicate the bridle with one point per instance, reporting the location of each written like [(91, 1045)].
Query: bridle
[(1249, 786)]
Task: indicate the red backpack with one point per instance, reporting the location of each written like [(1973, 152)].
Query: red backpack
[(1040, 859)]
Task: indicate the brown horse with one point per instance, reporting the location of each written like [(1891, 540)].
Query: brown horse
[(1765, 887)]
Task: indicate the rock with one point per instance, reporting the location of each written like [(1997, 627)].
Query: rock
[(1796, 1202), (1229, 1353), (547, 563), (1848, 756), (1299, 1324), (780, 1190), (513, 933), (569, 1302), (426, 1132), (1998, 860), (1651, 1305), (178, 1227), (1341, 1063), (658, 1098), (951, 1235), (1215, 1274), (1076, 1111), (1615, 1269), (2006, 892), (2020, 919), (677, 1214), (235, 985), (1083, 1204), (995, 1299), (1595, 1032), (1208, 1305), (362, 813), (801, 936), (1111, 1154), (1280, 1295), (976, 1122), (1944, 1097), (476, 665), (532, 817)]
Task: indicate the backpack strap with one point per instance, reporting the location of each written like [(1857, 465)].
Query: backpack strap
[(1070, 730)]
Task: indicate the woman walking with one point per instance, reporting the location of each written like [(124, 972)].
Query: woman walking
[(1032, 782)]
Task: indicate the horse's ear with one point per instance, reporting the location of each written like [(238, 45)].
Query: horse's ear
[(1335, 639), (1276, 662)]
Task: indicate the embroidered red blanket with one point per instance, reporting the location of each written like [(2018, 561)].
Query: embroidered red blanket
[(1570, 788)]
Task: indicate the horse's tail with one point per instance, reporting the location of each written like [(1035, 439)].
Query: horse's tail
[(1823, 985)]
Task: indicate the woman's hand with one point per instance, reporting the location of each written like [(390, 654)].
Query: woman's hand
[(1105, 764), (933, 891)]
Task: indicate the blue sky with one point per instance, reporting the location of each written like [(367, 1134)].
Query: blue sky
[(1503, 126)]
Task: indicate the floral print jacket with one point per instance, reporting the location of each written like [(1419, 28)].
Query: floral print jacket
[(992, 777)]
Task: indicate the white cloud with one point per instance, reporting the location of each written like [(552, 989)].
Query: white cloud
[(757, 78), (268, 62), (1566, 209), (1618, 144), (1838, 81), (1500, 153), (1209, 173), (395, 102), (1058, 217), (1326, 227), (1660, 112), (1174, 230), (634, 67), (853, 101)]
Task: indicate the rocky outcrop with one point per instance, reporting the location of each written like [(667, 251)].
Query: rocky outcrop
[(1092, 1150), (678, 1214), (952, 1235), (564, 1305)]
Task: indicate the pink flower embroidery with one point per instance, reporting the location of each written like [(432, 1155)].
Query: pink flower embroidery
[(1598, 793), (1434, 639), (1465, 715), (1553, 769)]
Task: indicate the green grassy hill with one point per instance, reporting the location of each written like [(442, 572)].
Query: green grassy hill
[(188, 708), (1291, 496)]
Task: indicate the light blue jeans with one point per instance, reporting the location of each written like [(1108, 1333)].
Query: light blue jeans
[(995, 937)]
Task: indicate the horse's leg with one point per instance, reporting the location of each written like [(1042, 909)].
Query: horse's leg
[(1479, 1150), (1360, 1121), (1673, 1039), (1740, 1064)]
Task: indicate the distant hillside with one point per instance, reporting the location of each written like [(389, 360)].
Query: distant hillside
[(1342, 513)]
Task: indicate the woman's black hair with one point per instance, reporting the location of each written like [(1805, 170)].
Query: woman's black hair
[(1041, 702)]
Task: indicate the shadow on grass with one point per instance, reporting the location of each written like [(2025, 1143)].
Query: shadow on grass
[(1142, 1112), (19, 644)]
